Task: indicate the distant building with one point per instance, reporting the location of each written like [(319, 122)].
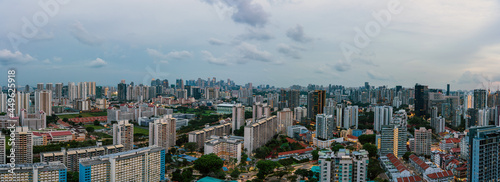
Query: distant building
[(383, 116), (200, 136), (315, 103), (392, 139), (285, 119), (43, 101), (24, 145), (324, 127), (238, 119)]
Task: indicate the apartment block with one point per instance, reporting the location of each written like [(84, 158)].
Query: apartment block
[(48, 171), (226, 147), (258, 133), (200, 136), (144, 164), (344, 166), (123, 133), (162, 132)]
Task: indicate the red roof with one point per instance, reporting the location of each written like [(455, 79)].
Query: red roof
[(89, 119), (410, 179), (452, 140), (60, 133), (63, 123), (455, 150), (294, 141), (443, 174), (352, 137), (419, 161), (301, 151), (396, 162)]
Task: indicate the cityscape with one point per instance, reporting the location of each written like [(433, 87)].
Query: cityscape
[(250, 91)]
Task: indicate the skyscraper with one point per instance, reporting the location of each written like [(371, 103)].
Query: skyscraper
[(350, 117), (123, 133), (43, 101), (383, 116), (2, 148), (484, 149), (423, 141), (3, 102), (162, 132), (420, 99), (285, 119), (344, 166), (58, 91), (122, 92), (315, 103), (392, 139), (324, 127), (480, 98), (72, 91), (23, 149), (238, 117)]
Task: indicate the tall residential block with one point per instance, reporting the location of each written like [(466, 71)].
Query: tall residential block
[(43, 102), (238, 119), (200, 136), (344, 166), (422, 141), (162, 132), (50, 171), (227, 148), (315, 103), (392, 139), (144, 164), (383, 116), (285, 119), (23, 149), (258, 133), (484, 149), (324, 127), (123, 133)]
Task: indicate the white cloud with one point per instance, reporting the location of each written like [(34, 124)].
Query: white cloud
[(217, 42), (97, 63), (251, 52), (289, 51), (83, 36), (213, 60), (297, 34), (174, 55), (378, 76), (8, 57)]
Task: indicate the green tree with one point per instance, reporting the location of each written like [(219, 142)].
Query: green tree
[(208, 163), (315, 154), (187, 175), (65, 119), (292, 178), (97, 123), (286, 163), (266, 166), (374, 168), (337, 147), (406, 156), (72, 176), (367, 139), (191, 146), (280, 174), (371, 149), (262, 152), (304, 173), (90, 129), (235, 174)]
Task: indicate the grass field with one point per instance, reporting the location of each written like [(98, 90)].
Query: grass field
[(141, 131), (94, 126), (90, 114)]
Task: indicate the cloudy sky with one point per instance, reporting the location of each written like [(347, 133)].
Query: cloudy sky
[(276, 42)]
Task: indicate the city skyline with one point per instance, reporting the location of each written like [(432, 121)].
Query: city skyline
[(273, 42)]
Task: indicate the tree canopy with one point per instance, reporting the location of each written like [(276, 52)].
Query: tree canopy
[(208, 163)]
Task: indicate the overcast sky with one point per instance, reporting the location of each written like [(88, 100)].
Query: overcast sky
[(276, 42)]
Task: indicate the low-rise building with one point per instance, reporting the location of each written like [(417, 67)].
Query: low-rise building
[(443, 176), (227, 148)]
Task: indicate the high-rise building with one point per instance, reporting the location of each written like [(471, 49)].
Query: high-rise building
[(162, 132), (422, 141), (285, 119), (200, 136), (211, 93), (350, 119), (123, 133), (58, 91), (23, 149), (447, 89), (227, 148), (72, 91), (144, 164), (83, 90), (392, 139), (260, 110), (238, 117), (438, 124), (99, 92), (324, 127), (300, 113), (315, 103), (43, 101), (258, 133), (50, 171), (39, 86), (22, 102), (122, 92), (383, 116), (49, 86), (421, 96), (3, 102), (344, 166), (2, 148), (480, 98), (289, 99), (484, 149)]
